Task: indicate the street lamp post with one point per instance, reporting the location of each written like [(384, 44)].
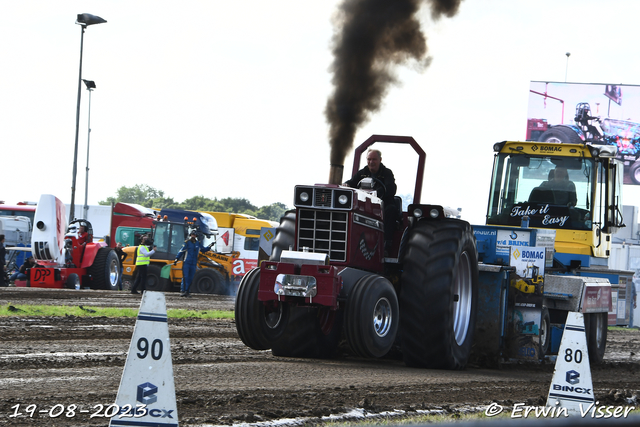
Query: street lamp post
[(84, 20), (91, 85), (566, 69)]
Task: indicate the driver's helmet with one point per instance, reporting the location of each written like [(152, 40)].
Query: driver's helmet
[(583, 111)]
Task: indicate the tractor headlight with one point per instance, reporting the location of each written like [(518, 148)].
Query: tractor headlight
[(417, 213), (342, 199), (303, 196), (433, 213)]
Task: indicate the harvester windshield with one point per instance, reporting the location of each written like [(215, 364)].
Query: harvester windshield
[(552, 191)]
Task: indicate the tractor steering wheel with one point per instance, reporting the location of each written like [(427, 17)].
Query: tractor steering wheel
[(381, 189)]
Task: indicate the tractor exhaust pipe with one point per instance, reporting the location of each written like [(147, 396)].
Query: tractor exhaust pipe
[(335, 174)]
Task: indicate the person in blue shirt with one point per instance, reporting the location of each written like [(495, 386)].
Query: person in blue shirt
[(189, 253)]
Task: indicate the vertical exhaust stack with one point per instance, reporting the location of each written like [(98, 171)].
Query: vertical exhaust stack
[(335, 174), (371, 37)]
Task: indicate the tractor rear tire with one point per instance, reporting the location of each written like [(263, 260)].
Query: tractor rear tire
[(372, 316), (595, 326), (285, 235), (560, 135), (258, 325), (209, 281), (105, 270), (155, 282), (439, 293)]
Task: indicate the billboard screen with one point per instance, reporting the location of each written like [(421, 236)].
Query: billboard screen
[(578, 112)]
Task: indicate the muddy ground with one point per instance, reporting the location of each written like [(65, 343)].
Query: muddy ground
[(48, 361)]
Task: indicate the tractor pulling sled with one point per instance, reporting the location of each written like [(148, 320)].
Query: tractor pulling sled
[(431, 296)]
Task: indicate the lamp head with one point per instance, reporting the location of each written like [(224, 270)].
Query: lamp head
[(90, 84), (86, 19)]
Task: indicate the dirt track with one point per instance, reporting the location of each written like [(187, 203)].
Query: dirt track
[(51, 361)]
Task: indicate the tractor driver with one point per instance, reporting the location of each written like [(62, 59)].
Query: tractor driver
[(82, 235), (385, 181)]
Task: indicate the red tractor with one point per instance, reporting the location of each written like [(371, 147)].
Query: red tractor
[(328, 278), (69, 256)]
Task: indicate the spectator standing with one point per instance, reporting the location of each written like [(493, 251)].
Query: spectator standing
[(121, 257), (143, 258), (189, 251)]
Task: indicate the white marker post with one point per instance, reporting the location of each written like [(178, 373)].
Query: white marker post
[(147, 396), (571, 387)]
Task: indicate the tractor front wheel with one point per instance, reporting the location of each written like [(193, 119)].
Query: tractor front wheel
[(439, 293), (258, 325), (309, 332), (371, 318), (72, 280)]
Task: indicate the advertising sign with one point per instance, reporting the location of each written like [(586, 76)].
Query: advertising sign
[(579, 112), (528, 261)]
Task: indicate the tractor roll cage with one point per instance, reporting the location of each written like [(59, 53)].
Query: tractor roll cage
[(398, 140)]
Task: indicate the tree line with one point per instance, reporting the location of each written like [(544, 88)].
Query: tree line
[(150, 197)]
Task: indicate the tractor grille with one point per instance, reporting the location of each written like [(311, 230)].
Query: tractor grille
[(323, 198), (324, 232)]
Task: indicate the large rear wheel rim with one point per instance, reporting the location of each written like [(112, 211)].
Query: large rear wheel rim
[(113, 273), (462, 299)]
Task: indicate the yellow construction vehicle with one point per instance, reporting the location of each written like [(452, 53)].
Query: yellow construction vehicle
[(213, 270)]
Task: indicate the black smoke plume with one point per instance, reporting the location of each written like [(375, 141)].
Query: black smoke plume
[(370, 37)]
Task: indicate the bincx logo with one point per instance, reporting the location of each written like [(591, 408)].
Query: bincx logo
[(573, 377), (534, 148), (147, 393)]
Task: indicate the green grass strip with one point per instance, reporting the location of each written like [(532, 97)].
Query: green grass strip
[(63, 310)]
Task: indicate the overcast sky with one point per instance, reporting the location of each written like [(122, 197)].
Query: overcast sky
[(226, 98)]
